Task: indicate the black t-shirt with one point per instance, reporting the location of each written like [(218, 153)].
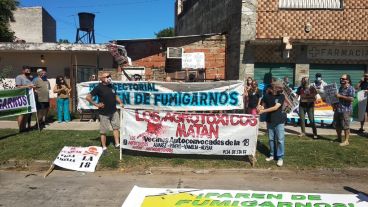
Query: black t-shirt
[(278, 116), (364, 85), (106, 95), (253, 99)]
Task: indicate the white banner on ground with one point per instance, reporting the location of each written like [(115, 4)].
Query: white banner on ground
[(79, 158), (330, 93), (18, 101), (193, 60), (189, 133), (174, 96), (164, 197)]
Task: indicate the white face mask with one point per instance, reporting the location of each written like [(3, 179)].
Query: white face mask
[(319, 79), (109, 80)]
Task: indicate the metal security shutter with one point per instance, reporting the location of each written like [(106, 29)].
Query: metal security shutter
[(332, 73), (263, 73)]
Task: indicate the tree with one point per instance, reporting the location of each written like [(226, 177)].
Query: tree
[(167, 32), (6, 15), (63, 41)]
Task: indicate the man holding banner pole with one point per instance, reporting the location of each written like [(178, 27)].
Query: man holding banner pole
[(107, 101), (23, 81)]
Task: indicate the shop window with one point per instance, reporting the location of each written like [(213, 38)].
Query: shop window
[(310, 4)]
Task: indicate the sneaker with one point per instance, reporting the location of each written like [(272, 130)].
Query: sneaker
[(344, 144), (280, 162), (117, 146), (315, 137), (301, 135), (269, 159)]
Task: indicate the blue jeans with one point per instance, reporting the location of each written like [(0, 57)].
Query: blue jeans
[(63, 109), (276, 136)]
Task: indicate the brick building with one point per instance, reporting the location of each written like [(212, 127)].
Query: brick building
[(150, 58), (282, 37)]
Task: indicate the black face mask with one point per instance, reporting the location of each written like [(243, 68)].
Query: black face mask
[(365, 79), (27, 74)]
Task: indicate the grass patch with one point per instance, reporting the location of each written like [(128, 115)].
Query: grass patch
[(301, 153)]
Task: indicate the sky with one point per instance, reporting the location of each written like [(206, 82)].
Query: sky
[(115, 19)]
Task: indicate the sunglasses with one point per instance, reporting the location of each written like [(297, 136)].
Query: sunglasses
[(109, 76), (343, 78)]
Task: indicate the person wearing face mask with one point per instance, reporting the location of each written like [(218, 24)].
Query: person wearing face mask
[(343, 109), (109, 116), (247, 87), (23, 81), (62, 89), (363, 85), (42, 96), (307, 96), (318, 84), (272, 105)]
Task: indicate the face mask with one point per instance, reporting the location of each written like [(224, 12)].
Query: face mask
[(27, 74), (342, 82), (44, 78), (319, 79), (109, 80), (366, 79)]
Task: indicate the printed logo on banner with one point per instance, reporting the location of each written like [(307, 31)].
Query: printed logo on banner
[(189, 133), (79, 158)]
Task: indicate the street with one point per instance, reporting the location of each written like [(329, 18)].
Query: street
[(110, 188)]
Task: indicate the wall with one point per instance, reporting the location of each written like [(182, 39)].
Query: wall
[(34, 24), (347, 24), (151, 54), (56, 62), (28, 24), (48, 27), (215, 16)]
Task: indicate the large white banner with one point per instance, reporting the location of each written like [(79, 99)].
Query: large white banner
[(18, 101), (164, 197), (79, 158), (189, 133), (175, 96)]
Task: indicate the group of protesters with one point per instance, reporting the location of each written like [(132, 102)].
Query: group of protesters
[(41, 86), (269, 102), (272, 101)]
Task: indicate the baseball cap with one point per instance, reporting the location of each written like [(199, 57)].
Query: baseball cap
[(318, 75), (39, 70)]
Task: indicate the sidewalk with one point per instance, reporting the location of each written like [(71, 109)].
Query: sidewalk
[(83, 126)]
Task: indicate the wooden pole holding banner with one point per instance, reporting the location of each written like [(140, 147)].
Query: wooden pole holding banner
[(52, 167)]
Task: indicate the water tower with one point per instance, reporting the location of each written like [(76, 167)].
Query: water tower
[(86, 30)]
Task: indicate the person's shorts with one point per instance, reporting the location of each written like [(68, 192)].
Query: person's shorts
[(42, 105), (342, 120), (107, 120)]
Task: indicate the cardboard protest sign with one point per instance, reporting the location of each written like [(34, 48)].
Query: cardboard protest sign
[(362, 105), (79, 158), (193, 60), (203, 96), (15, 102), (330, 93), (163, 197), (189, 133)]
